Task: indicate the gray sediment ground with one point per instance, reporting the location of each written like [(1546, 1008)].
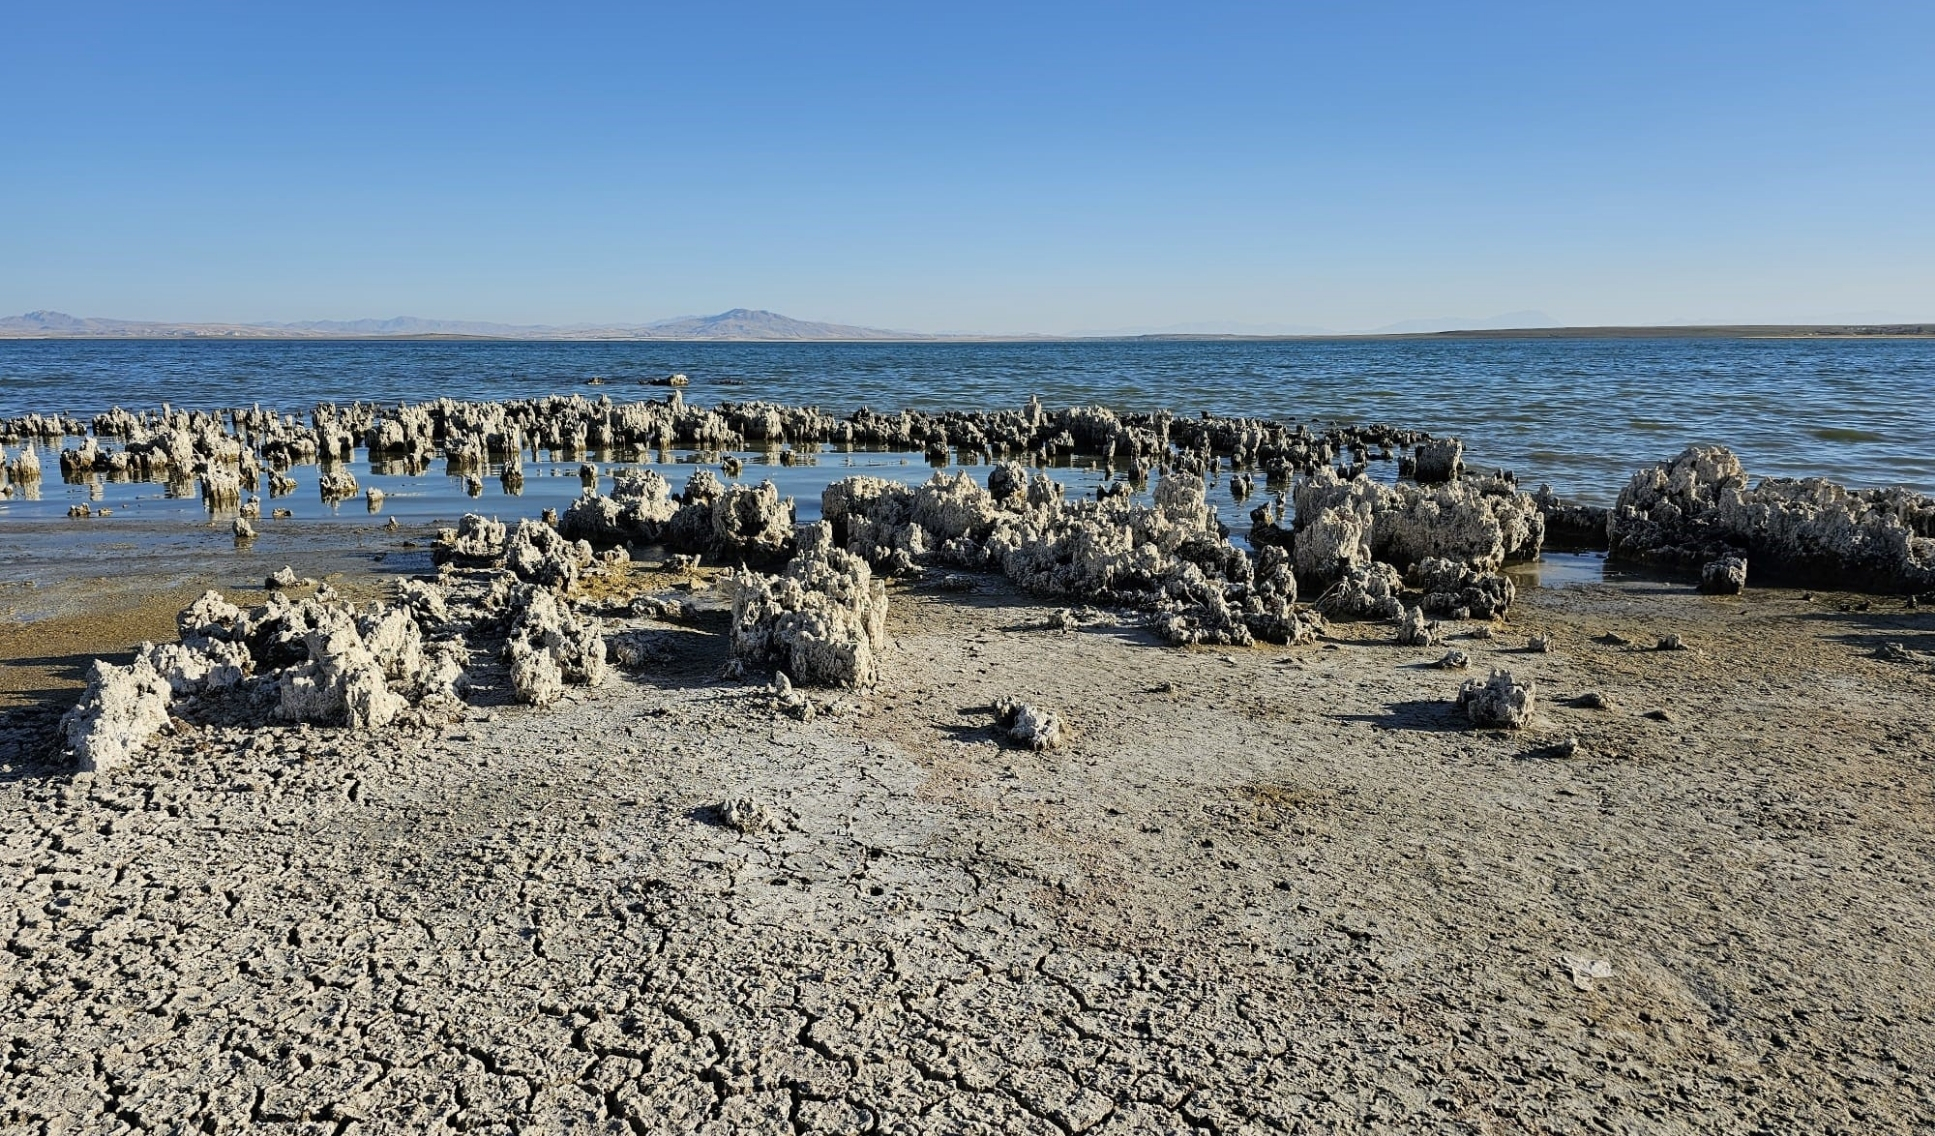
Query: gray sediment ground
[(1282, 888)]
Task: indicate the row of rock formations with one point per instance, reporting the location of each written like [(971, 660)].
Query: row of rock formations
[(172, 443)]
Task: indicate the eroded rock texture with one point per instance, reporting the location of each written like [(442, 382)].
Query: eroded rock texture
[(1697, 508)]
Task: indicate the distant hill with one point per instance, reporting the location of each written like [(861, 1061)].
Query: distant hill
[(1508, 321), (737, 324), (746, 325)]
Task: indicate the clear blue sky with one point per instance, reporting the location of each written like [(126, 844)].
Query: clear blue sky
[(974, 167)]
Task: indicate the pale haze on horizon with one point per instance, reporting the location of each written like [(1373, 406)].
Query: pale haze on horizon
[(994, 169)]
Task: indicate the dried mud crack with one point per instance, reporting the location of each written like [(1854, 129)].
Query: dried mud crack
[(1288, 889)]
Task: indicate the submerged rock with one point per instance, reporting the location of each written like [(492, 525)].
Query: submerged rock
[(336, 485), (25, 468), (1440, 459)]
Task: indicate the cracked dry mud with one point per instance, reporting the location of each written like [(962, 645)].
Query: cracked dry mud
[(1262, 890)]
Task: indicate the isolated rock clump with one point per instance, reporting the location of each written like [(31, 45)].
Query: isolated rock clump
[(1499, 702), (336, 485), (122, 707), (1414, 630), (747, 816), (1030, 726)]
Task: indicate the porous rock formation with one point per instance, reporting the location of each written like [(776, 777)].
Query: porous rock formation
[(1171, 558), (749, 522), (1414, 630), (1458, 591), (1726, 576), (1030, 726), (329, 662), (1499, 702), (822, 620), (550, 646), (1438, 460), (120, 710), (1697, 508), (1482, 523)]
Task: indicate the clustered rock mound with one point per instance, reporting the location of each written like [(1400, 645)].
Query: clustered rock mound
[(1697, 512), (1500, 702), (323, 660), (1171, 558), (1358, 540), (823, 620), (736, 521)]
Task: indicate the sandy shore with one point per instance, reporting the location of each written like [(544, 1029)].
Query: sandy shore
[(1262, 889)]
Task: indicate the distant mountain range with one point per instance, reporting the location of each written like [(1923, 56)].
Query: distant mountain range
[(737, 324), (744, 325)]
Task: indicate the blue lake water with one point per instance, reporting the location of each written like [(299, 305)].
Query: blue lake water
[(1581, 414)]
